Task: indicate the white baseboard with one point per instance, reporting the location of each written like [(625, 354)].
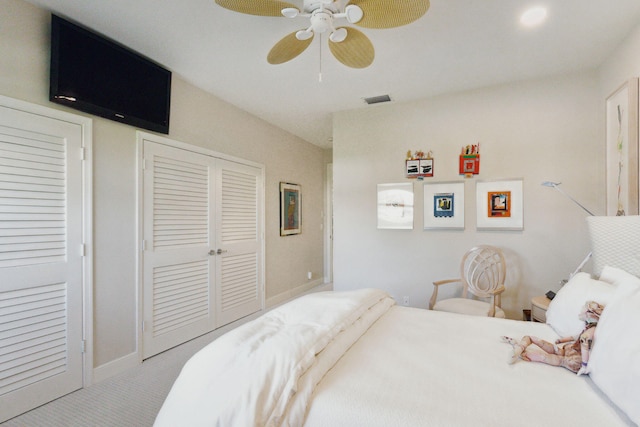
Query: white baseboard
[(315, 286), (115, 367)]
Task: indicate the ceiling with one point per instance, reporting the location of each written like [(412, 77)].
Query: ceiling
[(458, 45)]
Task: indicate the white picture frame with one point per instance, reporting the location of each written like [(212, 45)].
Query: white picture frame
[(395, 206), (500, 205), (443, 206)]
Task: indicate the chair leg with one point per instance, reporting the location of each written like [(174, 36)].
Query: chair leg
[(434, 296)]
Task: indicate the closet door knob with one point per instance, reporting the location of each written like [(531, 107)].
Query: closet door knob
[(212, 252), (220, 251)]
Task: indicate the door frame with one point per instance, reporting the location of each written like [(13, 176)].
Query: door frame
[(141, 137), (86, 126), (328, 226)]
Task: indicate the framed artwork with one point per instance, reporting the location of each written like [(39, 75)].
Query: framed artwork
[(444, 205), (419, 168), (413, 168), (622, 150), (395, 206), (426, 167), (290, 209), (499, 205), (470, 160), (470, 164)]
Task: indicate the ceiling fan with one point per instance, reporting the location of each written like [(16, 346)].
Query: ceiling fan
[(349, 45)]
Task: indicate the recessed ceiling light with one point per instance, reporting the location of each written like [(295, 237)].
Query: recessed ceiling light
[(534, 16)]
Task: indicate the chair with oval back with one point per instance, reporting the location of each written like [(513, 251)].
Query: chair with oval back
[(483, 270)]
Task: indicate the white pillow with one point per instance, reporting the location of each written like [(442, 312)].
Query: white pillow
[(565, 308), (614, 362), (617, 277)]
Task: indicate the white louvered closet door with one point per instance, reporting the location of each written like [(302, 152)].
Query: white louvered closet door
[(239, 238), (40, 260), (178, 235)]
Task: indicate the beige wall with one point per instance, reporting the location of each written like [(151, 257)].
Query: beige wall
[(623, 64), (548, 129), (541, 130), (196, 118)]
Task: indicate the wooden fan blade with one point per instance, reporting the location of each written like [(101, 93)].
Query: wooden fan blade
[(356, 51), (256, 7), (389, 14), (287, 49)]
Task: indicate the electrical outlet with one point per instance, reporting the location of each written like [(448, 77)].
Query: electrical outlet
[(309, 275), (405, 300)]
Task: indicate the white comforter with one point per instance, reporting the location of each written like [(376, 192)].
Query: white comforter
[(264, 372), (354, 359), (417, 368)]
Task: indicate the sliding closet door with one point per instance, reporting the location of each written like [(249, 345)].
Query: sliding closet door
[(178, 255), (41, 259), (239, 238)]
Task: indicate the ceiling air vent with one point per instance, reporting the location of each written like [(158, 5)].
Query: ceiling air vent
[(377, 99)]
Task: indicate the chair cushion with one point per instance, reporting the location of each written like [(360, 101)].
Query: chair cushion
[(467, 306)]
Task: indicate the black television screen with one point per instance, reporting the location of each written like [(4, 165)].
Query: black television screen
[(98, 76)]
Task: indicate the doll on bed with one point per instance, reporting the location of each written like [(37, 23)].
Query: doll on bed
[(573, 355)]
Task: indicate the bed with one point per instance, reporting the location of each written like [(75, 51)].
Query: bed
[(357, 359)]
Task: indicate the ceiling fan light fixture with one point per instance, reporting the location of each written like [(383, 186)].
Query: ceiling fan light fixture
[(353, 13), (321, 21), (290, 12), (304, 34), (338, 35)]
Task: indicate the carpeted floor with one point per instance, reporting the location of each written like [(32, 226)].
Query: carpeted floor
[(131, 399)]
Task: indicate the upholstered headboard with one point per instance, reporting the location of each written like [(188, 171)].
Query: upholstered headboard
[(615, 241)]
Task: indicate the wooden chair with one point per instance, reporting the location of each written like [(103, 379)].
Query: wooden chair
[(483, 271)]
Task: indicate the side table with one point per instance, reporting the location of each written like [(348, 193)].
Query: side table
[(539, 306)]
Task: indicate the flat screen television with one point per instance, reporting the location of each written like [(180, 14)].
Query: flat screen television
[(98, 76)]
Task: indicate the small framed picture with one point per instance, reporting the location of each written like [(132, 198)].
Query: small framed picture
[(499, 205), (444, 205), (419, 168), (290, 209), (470, 164), (413, 168), (426, 167)]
